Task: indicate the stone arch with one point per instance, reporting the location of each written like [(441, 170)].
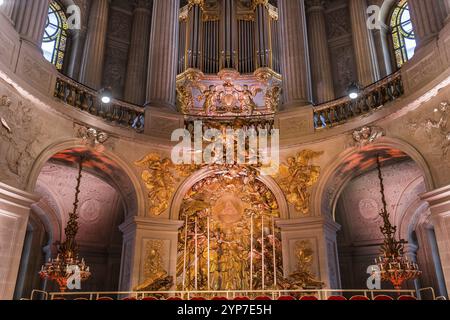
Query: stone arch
[(334, 179), (135, 206), (204, 173)]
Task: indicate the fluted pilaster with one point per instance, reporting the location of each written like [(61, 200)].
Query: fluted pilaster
[(228, 34), (321, 73), (262, 29), (427, 18), (366, 61), (136, 79), (294, 53), (447, 8), (94, 49), (163, 54), (77, 39), (29, 18), (7, 8)]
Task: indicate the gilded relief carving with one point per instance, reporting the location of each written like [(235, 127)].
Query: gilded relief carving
[(296, 178), (155, 274), (367, 135), (160, 177)]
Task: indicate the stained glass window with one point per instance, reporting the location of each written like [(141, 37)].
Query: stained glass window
[(403, 36), (55, 36)]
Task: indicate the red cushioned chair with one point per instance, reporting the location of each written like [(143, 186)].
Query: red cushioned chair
[(198, 299), (59, 299), (383, 298), (407, 298), (174, 299), (286, 298), (337, 298), (359, 298), (241, 299), (105, 299), (150, 299), (129, 299), (263, 298), (308, 298), (219, 299), (81, 299)]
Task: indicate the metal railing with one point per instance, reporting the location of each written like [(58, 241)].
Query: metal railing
[(373, 97), (86, 99), (323, 294)]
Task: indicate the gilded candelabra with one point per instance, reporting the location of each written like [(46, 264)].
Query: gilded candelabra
[(67, 264), (393, 265)]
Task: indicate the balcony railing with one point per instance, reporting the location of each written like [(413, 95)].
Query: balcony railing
[(373, 97), (88, 100)]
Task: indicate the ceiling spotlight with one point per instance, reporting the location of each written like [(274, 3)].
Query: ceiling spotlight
[(105, 95), (354, 90)]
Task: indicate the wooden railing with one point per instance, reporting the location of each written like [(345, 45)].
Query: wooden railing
[(81, 97), (371, 98)]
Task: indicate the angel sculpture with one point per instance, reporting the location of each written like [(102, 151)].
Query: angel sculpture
[(297, 177), (159, 181), (273, 98), (246, 97), (210, 96)]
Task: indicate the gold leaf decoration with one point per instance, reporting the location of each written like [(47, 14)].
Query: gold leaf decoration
[(297, 176)]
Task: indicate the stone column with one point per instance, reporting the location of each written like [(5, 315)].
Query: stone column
[(14, 212), (294, 53), (7, 9), (262, 40), (228, 35), (29, 18), (136, 79), (385, 59), (78, 38), (194, 34), (162, 63), (427, 18), (94, 49), (447, 8), (140, 236), (321, 74), (366, 61), (319, 235), (439, 201)]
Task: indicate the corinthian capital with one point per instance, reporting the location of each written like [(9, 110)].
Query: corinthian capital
[(312, 5), (256, 3)]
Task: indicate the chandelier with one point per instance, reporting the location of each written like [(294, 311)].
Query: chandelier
[(393, 265), (67, 265)]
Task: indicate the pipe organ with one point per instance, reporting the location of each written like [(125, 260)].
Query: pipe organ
[(228, 34)]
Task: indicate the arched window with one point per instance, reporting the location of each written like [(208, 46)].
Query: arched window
[(404, 40), (55, 36)]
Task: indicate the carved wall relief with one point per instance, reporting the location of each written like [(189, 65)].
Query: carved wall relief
[(160, 177), (367, 135), (20, 131), (436, 129), (297, 177)]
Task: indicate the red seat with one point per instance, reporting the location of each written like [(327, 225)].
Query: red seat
[(308, 298), (129, 299), (198, 299), (105, 299), (359, 298), (286, 298), (81, 299), (149, 299), (58, 299), (337, 298), (263, 298), (383, 298), (407, 298), (219, 299), (241, 299), (174, 299)]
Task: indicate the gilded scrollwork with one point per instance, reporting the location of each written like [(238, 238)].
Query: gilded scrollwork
[(297, 177)]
